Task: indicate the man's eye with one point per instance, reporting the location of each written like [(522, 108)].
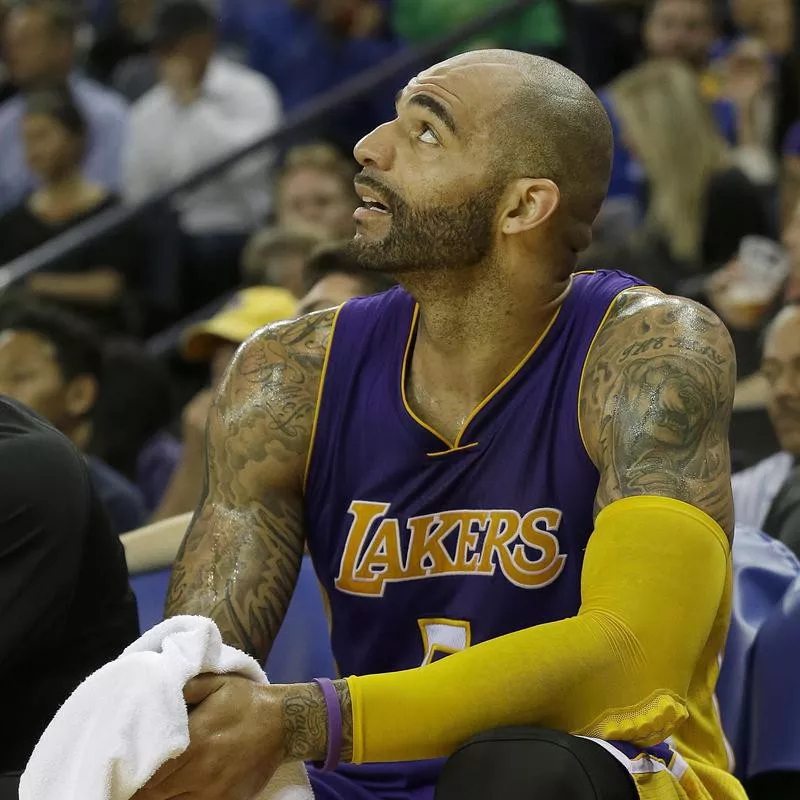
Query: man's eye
[(428, 136)]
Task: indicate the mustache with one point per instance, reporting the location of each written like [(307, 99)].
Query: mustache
[(389, 195)]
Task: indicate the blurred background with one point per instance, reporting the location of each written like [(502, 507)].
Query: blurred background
[(122, 229), (175, 175)]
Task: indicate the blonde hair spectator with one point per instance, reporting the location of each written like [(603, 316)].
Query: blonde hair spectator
[(670, 130)]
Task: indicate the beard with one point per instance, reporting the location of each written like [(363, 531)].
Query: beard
[(459, 235)]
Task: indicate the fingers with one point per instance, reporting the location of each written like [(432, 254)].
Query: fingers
[(158, 787), (199, 689), (172, 786)]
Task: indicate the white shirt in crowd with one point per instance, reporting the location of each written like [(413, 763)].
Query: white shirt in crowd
[(169, 143), (755, 488)]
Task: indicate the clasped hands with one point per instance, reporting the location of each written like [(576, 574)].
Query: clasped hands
[(236, 737)]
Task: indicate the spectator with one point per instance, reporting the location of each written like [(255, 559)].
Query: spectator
[(51, 362), (215, 341), (680, 29), (40, 52), (767, 494), (747, 321), (697, 205), (204, 108), (133, 411), (309, 48), (758, 70), (333, 278), (65, 604), (94, 280), (684, 30), (750, 88), (121, 55), (315, 187), (277, 256)]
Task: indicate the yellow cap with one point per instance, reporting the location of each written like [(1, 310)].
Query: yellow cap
[(248, 310)]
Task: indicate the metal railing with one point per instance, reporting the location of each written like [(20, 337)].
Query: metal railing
[(296, 121)]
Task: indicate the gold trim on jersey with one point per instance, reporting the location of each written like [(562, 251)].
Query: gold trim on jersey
[(589, 352), (322, 375), (456, 445)]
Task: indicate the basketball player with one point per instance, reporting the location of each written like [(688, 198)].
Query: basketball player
[(513, 481)]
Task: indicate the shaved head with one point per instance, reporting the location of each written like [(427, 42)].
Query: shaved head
[(486, 145), (780, 366), (553, 126)]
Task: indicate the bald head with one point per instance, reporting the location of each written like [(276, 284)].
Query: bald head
[(494, 156), (781, 367), (550, 125)]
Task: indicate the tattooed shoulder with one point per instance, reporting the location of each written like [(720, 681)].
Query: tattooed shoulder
[(274, 380), (656, 401), (239, 561)]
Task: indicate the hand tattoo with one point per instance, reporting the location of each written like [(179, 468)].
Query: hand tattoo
[(239, 561), (656, 403)]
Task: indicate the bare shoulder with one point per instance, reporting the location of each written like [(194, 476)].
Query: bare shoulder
[(270, 393), (240, 558), (656, 401)]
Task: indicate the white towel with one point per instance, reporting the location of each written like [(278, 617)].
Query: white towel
[(129, 718)]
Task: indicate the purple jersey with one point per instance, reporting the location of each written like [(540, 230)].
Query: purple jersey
[(424, 548)]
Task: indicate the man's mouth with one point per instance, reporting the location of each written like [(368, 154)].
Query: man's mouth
[(371, 204), (371, 199)]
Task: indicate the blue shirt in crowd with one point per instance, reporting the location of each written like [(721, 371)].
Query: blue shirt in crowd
[(303, 60)]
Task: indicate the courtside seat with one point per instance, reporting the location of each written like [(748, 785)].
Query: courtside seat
[(775, 691), (763, 571), (301, 650), (150, 589)]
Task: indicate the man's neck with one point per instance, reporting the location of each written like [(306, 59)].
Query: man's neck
[(476, 325), (66, 196), (64, 187)]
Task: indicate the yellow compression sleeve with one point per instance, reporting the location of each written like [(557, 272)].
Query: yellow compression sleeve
[(653, 578)]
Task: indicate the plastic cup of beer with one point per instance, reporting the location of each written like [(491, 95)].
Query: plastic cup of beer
[(763, 269)]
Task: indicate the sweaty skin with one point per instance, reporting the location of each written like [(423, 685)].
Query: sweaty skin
[(655, 405), (487, 183)]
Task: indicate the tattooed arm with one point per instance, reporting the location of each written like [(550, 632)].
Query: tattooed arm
[(239, 561), (656, 403)]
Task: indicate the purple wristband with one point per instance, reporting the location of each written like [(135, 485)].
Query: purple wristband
[(334, 709)]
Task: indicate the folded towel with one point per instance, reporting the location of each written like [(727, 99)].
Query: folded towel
[(129, 718)]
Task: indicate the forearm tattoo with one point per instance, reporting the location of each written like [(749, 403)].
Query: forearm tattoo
[(305, 722), (239, 561), (656, 404)]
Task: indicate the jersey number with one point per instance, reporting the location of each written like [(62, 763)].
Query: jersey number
[(442, 637)]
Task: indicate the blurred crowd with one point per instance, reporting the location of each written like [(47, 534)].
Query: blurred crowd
[(106, 104)]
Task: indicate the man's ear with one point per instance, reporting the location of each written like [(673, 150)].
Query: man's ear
[(81, 395), (532, 201)]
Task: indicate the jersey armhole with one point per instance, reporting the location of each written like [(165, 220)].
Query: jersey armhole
[(589, 350), (318, 405)]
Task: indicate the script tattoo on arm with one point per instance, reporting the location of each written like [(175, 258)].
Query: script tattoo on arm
[(656, 404), (305, 722), (241, 556)]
